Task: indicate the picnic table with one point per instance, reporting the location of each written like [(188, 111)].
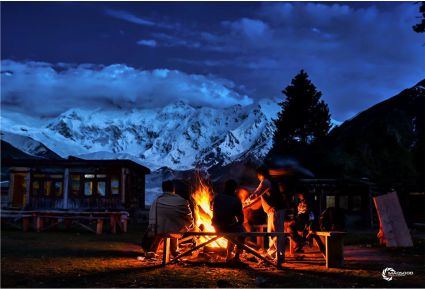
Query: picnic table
[(117, 219), (232, 237)]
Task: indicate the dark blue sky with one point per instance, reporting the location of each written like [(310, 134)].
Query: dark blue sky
[(209, 53)]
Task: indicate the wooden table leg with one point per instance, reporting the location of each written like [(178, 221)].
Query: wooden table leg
[(25, 224), (334, 252), (39, 224), (99, 226), (166, 251), (124, 224), (113, 224)]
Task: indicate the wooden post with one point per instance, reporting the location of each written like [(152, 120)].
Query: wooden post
[(39, 224), (113, 223), (166, 251), (334, 251), (65, 188), (123, 179), (99, 226)]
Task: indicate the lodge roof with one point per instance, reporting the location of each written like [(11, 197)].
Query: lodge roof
[(74, 162)]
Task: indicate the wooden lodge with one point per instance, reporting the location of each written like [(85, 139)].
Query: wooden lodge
[(354, 197), (74, 184)]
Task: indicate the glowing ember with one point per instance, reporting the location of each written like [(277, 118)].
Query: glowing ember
[(203, 213)]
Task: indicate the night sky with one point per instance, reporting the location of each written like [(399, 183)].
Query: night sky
[(207, 53)]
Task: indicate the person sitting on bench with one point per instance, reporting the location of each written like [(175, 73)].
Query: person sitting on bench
[(228, 216), (300, 221), (168, 213)]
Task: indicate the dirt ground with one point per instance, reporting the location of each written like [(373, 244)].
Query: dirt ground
[(81, 259)]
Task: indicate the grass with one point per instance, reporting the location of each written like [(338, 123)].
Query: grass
[(81, 259)]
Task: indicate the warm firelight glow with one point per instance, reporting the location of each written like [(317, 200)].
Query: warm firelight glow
[(203, 212)]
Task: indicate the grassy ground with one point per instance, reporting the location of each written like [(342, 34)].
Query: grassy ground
[(80, 259)]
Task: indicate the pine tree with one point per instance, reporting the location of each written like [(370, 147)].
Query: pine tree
[(304, 118)]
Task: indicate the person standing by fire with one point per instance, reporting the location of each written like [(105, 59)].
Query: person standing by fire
[(228, 216), (273, 205)]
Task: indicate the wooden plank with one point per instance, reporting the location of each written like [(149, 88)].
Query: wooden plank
[(329, 233), (391, 218), (244, 234)]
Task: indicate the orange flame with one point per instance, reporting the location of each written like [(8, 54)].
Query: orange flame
[(202, 198)]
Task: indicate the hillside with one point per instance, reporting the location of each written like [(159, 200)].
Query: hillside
[(384, 143)]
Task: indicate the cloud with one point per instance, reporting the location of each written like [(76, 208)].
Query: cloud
[(357, 55), (252, 28), (42, 89), (147, 42), (129, 17), (168, 40)]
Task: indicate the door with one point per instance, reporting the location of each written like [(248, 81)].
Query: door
[(19, 190)]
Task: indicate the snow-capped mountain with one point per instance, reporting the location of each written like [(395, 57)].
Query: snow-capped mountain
[(178, 136)]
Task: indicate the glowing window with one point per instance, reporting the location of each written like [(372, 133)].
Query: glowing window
[(115, 185), (101, 188), (47, 188), (330, 201), (75, 185), (36, 188), (58, 188), (88, 188)]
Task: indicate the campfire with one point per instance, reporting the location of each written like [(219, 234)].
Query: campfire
[(202, 198)]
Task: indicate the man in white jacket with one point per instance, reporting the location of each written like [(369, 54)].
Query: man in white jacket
[(168, 213)]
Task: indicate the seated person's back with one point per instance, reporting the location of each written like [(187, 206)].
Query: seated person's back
[(227, 210), (170, 213)]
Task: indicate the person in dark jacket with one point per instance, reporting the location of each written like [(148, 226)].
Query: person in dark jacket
[(228, 216), (273, 205), (300, 221)]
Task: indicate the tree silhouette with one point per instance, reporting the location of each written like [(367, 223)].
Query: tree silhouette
[(304, 118), (420, 27)]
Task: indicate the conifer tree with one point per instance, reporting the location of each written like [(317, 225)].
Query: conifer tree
[(304, 118)]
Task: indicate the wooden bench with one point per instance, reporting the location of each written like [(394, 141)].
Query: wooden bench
[(330, 244), (230, 237), (12, 217), (116, 219)]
